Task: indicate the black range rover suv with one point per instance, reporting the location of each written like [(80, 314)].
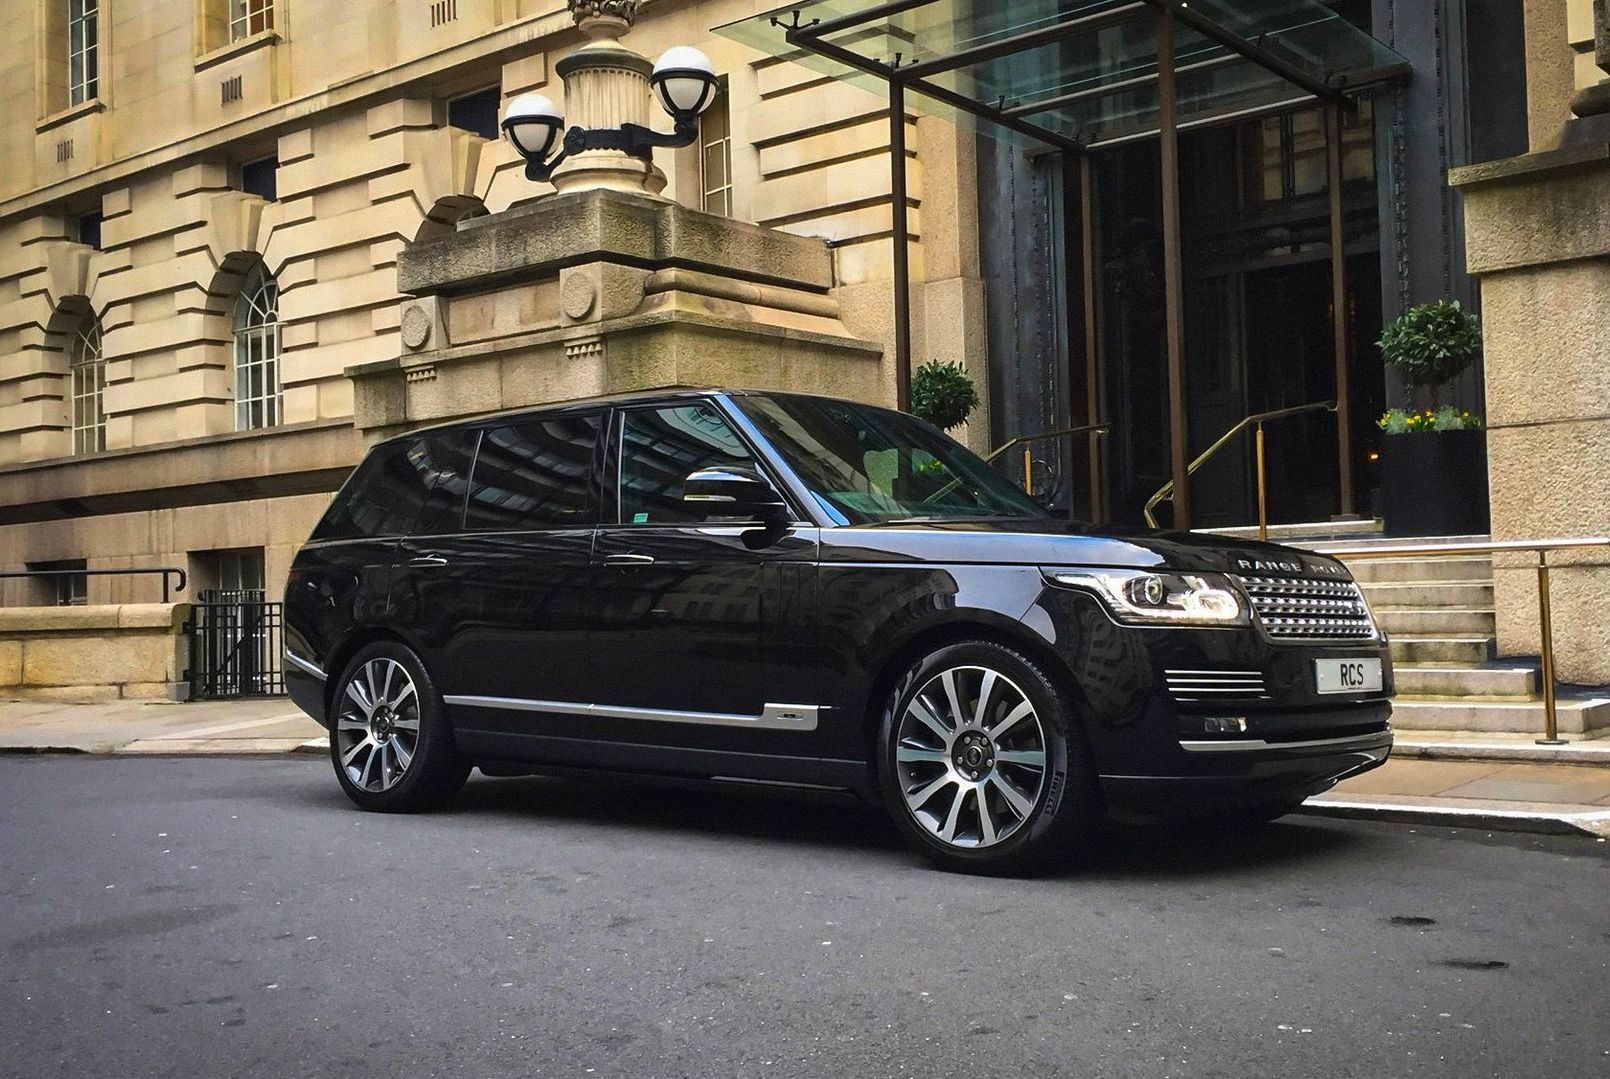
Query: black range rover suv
[(789, 589)]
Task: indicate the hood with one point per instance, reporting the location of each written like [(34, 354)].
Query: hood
[(1050, 542)]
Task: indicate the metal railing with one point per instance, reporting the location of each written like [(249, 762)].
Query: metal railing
[(1545, 617), (179, 576), (236, 640), (1257, 419), (1094, 430)]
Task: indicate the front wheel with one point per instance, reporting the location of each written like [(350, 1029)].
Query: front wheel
[(982, 764), (389, 742)]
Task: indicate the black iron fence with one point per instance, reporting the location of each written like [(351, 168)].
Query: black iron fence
[(235, 645)]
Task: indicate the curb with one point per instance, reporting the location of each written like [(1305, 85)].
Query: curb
[(1593, 823), (318, 746), (1574, 753)]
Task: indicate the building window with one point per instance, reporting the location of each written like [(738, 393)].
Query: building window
[(87, 368), (476, 112), (67, 585), (715, 157), (83, 51), (257, 353), (248, 17), (261, 178), (232, 571), (88, 228)]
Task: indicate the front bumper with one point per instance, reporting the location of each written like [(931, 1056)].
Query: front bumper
[(1266, 734)]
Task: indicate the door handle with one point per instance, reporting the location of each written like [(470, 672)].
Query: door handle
[(628, 560), (425, 561)]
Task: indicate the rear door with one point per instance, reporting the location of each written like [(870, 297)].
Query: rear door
[(512, 615)]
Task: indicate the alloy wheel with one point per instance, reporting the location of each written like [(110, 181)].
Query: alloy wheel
[(377, 727), (970, 757)]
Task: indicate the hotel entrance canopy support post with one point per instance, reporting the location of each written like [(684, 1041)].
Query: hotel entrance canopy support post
[(1079, 76)]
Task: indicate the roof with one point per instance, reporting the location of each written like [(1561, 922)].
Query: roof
[(1079, 73)]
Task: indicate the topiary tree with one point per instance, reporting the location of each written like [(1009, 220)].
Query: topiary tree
[(942, 394), (1432, 343)]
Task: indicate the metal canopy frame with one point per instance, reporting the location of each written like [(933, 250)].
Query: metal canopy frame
[(810, 36)]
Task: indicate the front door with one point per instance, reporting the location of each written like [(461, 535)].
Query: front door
[(691, 609)]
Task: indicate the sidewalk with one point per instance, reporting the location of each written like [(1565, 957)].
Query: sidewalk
[(249, 726), (1500, 782)]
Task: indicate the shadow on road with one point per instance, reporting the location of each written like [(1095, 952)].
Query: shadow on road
[(1117, 852)]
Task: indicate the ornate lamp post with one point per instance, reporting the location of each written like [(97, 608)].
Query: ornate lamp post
[(607, 91)]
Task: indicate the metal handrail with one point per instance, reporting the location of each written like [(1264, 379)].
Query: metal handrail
[(1545, 616), (1094, 430), (179, 575), (1259, 419)]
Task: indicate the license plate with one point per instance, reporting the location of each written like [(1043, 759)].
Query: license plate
[(1347, 675)]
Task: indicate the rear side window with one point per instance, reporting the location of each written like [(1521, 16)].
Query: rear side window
[(534, 474), (413, 485)]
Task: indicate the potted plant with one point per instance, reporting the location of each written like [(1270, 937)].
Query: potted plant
[(942, 394), (1433, 461)]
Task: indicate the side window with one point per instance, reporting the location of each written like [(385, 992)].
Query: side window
[(444, 459), (536, 474), (660, 447), (402, 487)]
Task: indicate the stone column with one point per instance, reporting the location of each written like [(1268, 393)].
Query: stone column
[(606, 85)]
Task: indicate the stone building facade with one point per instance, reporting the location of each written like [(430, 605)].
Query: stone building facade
[(202, 205), (1538, 239)]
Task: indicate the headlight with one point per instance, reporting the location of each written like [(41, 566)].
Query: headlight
[(1181, 599)]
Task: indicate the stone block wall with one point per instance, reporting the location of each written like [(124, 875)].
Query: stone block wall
[(94, 653)]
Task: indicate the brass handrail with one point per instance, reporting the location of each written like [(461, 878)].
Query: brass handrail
[(1093, 429), (1259, 419), (1545, 616)]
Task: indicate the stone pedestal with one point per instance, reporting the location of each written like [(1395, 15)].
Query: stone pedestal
[(1538, 236), (604, 291)]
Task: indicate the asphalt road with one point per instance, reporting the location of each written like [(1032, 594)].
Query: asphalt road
[(193, 917)]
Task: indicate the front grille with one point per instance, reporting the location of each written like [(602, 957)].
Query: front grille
[(1223, 686), (1309, 609)]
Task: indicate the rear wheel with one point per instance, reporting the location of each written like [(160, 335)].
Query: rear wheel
[(982, 765), (390, 745)]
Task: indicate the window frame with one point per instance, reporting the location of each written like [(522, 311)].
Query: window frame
[(83, 51), (257, 322), (240, 15), (724, 144), (86, 373)]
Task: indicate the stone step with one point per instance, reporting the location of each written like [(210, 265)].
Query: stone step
[(1437, 621), (1422, 594), (1469, 650), (1577, 715), (1446, 681), (1478, 568), (1394, 541)]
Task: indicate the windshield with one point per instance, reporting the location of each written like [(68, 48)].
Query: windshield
[(866, 465)]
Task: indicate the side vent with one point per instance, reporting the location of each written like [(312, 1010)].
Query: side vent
[(64, 151), (443, 12), (231, 91)]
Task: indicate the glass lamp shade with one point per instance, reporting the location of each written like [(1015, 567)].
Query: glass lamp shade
[(532, 123), (685, 81)]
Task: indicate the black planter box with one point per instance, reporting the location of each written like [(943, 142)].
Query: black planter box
[(1434, 483)]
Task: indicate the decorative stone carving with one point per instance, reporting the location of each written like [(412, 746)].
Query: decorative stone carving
[(577, 295), (415, 327), (584, 348), (623, 12)]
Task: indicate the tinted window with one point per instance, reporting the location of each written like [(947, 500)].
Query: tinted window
[(536, 474), (445, 459), (660, 447), (402, 487)]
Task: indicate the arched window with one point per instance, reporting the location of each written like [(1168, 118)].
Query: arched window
[(87, 367), (257, 353)]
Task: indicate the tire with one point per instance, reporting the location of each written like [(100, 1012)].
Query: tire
[(391, 747), (1033, 771)]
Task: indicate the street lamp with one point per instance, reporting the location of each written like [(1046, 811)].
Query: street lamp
[(684, 82)]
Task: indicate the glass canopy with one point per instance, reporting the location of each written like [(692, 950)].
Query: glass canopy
[(1080, 72)]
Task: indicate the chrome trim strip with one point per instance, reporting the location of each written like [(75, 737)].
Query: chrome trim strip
[(1251, 744), (301, 664), (780, 717)]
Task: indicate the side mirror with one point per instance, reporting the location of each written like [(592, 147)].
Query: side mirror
[(734, 492)]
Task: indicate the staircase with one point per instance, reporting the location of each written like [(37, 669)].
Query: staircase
[(1438, 613)]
